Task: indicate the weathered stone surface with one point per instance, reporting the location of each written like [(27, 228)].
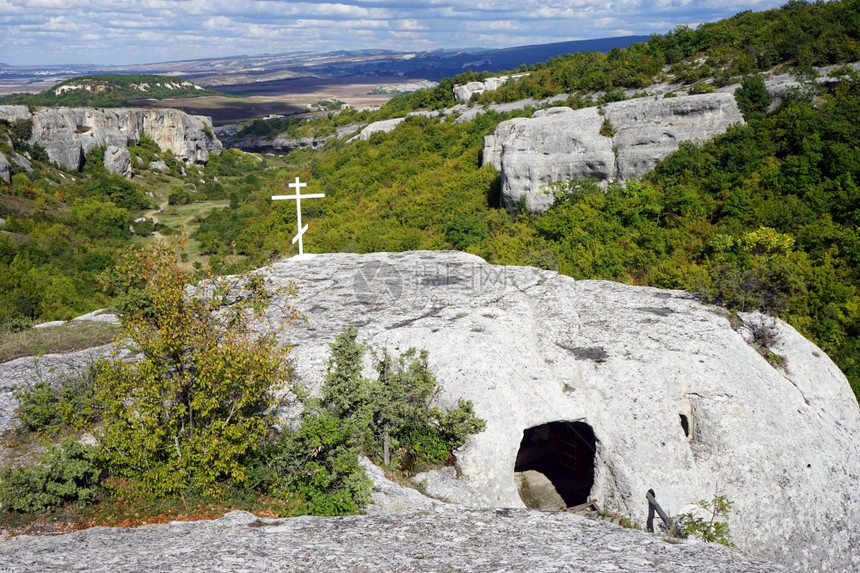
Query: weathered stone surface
[(5, 169), (650, 129), (465, 91), (384, 126), (555, 145), (389, 497), (10, 113), (530, 347), (561, 144), (118, 160), (68, 133), (22, 162), (442, 538), (537, 491)]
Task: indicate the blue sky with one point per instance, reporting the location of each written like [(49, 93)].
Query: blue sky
[(143, 31)]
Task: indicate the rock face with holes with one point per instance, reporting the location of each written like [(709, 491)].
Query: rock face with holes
[(618, 141), (649, 389), (67, 133)]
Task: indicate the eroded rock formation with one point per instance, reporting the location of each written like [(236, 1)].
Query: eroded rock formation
[(617, 141), (68, 133), (675, 398)]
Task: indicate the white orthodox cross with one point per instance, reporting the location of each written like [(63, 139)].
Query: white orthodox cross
[(298, 197)]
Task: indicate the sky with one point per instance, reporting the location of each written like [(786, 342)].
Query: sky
[(110, 32)]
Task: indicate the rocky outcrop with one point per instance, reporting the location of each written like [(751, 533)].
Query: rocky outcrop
[(68, 133), (674, 397), (5, 170), (443, 538), (465, 91), (618, 141), (384, 126), (653, 389), (118, 160), (281, 144)]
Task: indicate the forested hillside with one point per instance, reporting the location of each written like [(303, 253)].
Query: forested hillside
[(765, 217), (108, 90)]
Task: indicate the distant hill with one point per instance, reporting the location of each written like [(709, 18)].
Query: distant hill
[(109, 90)]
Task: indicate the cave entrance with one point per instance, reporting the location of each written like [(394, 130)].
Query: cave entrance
[(564, 453)]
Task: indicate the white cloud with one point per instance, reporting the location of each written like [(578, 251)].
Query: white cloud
[(40, 31)]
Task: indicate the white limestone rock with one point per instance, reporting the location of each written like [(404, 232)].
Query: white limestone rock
[(118, 160), (530, 347), (50, 368), (5, 170), (22, 162), (558, 145), (384, 126), (648, 130), (441, 538), (68, 133), (389, 497), (465, 91), (555, 145)]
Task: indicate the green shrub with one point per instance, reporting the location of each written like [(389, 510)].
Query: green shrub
[(714, 529), (178, 196), (392, 418), (71, 404), (319, 463), (69, 473), (197, 406), (38, 407)]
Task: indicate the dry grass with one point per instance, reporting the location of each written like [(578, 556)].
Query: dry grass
[(69, 337)]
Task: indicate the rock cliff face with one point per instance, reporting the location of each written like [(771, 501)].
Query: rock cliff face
[(68, 133), (465, 91), (281, 144), (561, 144), (653, 390), (5, 169)]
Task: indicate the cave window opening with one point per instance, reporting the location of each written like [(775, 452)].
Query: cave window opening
[(685, 424), (564, 453)]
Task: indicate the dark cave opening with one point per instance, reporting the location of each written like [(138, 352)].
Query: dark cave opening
[(685, 424), (564, 453)]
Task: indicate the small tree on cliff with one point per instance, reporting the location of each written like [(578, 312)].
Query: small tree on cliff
[(391, 417)]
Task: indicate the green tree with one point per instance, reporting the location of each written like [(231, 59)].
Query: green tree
[(198, 404), (752, 97)]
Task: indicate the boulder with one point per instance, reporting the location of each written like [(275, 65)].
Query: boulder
[(384, 126), (22, 162), (648, 130), (654, 389), (537, 491), (5, 170), (118, 160), (562, 144)]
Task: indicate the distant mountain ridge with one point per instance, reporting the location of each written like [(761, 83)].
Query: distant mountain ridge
[(432, 65)]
